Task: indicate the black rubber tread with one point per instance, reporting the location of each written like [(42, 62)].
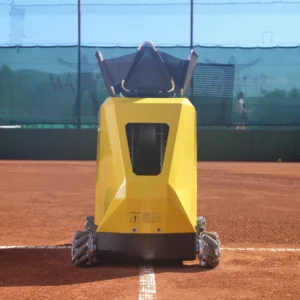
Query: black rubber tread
[(81, 262), (79, 234), (80, 248), (90, 219), (212, 234), (201, 221), (79, 252), (90, 225), (77, 243), (211, 262), (211, 242), (201, 225), (211, 250), (208, 250)]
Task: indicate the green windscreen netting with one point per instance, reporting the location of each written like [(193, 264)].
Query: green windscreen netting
[(257, 86), (38, 85)]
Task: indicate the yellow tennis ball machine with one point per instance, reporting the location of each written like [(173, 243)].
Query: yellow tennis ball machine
[(146, 179)]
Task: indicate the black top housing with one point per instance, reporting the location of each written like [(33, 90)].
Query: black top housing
[(147, 73)]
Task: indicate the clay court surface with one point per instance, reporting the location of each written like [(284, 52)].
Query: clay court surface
[(248, 204)]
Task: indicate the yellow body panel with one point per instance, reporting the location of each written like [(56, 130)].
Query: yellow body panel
[(127, 203)]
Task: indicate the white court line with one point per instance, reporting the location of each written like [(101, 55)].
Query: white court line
[(224, 248), (147, 283), (35, 247), (263, 249)]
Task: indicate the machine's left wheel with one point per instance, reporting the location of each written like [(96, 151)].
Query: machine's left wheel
[(81, 249), (90, 224)]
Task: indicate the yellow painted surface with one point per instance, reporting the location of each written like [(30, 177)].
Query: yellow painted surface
[(166, 203)]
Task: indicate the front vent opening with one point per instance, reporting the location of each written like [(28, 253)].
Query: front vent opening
[(147, 145)]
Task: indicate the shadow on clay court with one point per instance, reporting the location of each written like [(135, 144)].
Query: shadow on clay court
[(53, 267)]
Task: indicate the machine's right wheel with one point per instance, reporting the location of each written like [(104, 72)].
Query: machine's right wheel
[(201, 225), (209, 249), (81, 254)]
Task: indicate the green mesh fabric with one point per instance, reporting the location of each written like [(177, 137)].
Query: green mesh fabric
[(38, 85)]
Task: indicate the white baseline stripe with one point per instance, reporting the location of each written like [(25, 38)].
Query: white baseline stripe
[(263, 249), (147, 283), (35, 247), (224, 248)]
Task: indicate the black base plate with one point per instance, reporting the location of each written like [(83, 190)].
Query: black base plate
[(179, 246)]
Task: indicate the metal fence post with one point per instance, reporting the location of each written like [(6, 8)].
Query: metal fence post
[(192, 43), (79, 68)]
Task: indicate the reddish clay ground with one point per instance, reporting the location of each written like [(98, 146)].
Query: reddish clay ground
[(248, 204)]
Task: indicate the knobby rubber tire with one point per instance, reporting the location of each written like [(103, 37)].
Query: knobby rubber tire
[(211, 249), (80, 249)]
